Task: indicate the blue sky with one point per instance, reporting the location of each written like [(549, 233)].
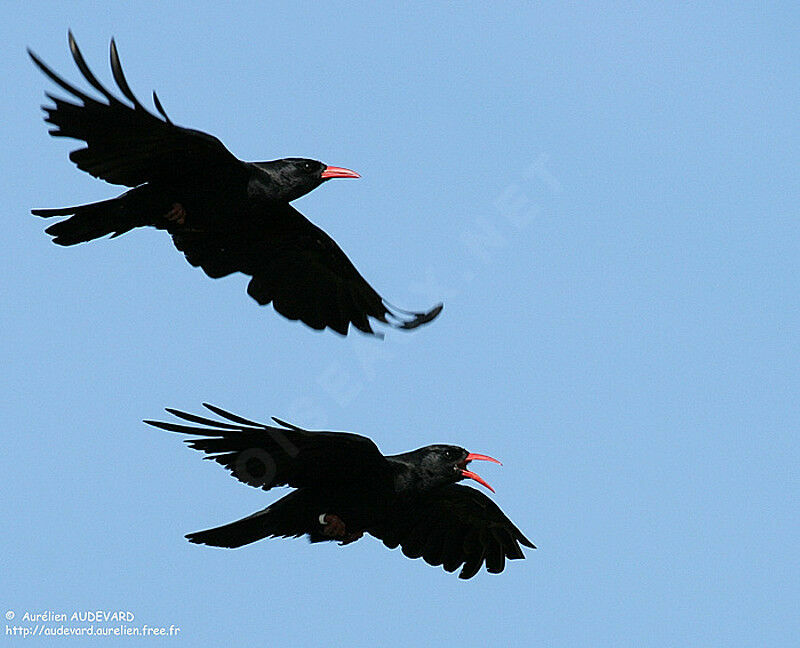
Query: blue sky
[(605, 198)]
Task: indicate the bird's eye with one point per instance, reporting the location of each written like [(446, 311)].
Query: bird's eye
[(308, 166)]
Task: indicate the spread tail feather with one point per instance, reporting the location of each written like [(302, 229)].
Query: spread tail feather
[(236, 534), (116, 216), (291, 516)]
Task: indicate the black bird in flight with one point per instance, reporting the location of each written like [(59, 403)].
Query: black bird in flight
[(345, 487), (224, 214)]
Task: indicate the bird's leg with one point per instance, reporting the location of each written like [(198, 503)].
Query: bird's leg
[(177, 214), (332, 525)]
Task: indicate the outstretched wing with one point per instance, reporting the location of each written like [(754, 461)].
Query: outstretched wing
[(300, 269), (453, 526), (127, 144), (265, 456)]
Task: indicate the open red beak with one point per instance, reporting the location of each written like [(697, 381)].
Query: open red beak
[(468, 474), (338, 172)]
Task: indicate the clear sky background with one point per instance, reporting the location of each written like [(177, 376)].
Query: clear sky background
[(604, 197)]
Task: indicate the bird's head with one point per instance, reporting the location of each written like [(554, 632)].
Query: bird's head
[(446, 464), (298, 176)]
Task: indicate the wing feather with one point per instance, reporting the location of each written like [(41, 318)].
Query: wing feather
[(125, 143), (298, 268), (453, 526), (265, 456)]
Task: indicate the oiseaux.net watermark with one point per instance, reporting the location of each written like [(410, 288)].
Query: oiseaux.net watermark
[(82, 623)]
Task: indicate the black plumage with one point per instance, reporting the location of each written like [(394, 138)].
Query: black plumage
[(224, 214), (345, 487)]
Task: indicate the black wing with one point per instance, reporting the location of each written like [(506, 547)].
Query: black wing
[(265, 456), (300, 269), (453, 526), (127, 144)]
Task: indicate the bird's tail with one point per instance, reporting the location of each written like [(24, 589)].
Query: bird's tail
[(116, 216), (290, 516)]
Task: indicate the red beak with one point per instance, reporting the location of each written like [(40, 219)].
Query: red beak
[(471, 475), (476, 457), (338, 172)]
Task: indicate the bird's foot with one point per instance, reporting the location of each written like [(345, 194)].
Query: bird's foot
[(332, 525), (177, 214)]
